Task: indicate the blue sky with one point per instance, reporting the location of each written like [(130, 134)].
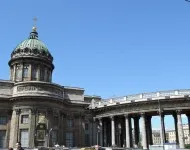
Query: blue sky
[(110, 48)]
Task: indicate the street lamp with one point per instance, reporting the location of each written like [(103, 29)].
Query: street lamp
[(49, 136), (119, 127)]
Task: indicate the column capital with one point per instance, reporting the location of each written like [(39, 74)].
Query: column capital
[(94, 119), (179, 111), (99, 119), (160, 112), (17, 110), (112, 117), (126, 115), (33, 111), (142, 114)]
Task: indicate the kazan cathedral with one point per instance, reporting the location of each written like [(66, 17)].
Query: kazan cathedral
[(37, 112)]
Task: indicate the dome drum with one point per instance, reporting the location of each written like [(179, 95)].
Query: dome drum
[(31, 61)]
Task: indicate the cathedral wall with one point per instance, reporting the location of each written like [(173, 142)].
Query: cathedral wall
[(6, 88), (74, 94)]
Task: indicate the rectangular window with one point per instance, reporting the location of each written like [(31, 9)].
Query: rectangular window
[(69, 123), (86, 126), (2, 138), (35, 72), (69, 139), (24, 137), (25, 70), (18, 72), (24, 119), (42, 74), (3, 120)]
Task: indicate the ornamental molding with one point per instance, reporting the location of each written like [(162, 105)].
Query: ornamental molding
[(31, 52), (37, 90)]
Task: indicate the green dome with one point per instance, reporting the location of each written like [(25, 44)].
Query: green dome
[(33, 44), (32, 47)]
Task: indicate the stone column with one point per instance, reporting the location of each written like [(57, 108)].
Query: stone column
[(162, 128), (130, 132), (144, 136), (38, 73), (30, 72), (14, 131), (101, 131), (105, 133), (136, 131), (176, 129), (149, 130), (180, 130), (112, 131), (22, 67), (127, 131), (188, 119), (14, 73), (32, 117)]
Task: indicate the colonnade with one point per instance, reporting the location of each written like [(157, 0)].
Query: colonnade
[(118, 131)]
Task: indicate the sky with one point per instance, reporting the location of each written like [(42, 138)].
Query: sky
[(108, 47)]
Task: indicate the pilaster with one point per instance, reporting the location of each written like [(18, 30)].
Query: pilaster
[(32, 117), (14, 131)]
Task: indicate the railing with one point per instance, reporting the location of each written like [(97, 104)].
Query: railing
[(140, 97)]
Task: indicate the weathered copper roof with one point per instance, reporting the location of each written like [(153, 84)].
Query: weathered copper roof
[(33, 43), (32, 47)]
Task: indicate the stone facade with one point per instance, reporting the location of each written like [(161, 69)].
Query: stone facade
[(37, 112)]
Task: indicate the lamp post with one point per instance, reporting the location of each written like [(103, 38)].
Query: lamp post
[(49, 136), (119, 127)]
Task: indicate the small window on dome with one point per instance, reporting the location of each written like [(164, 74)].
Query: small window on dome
[(18, 72), (42, 73), (26, 71), (35, 72)]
